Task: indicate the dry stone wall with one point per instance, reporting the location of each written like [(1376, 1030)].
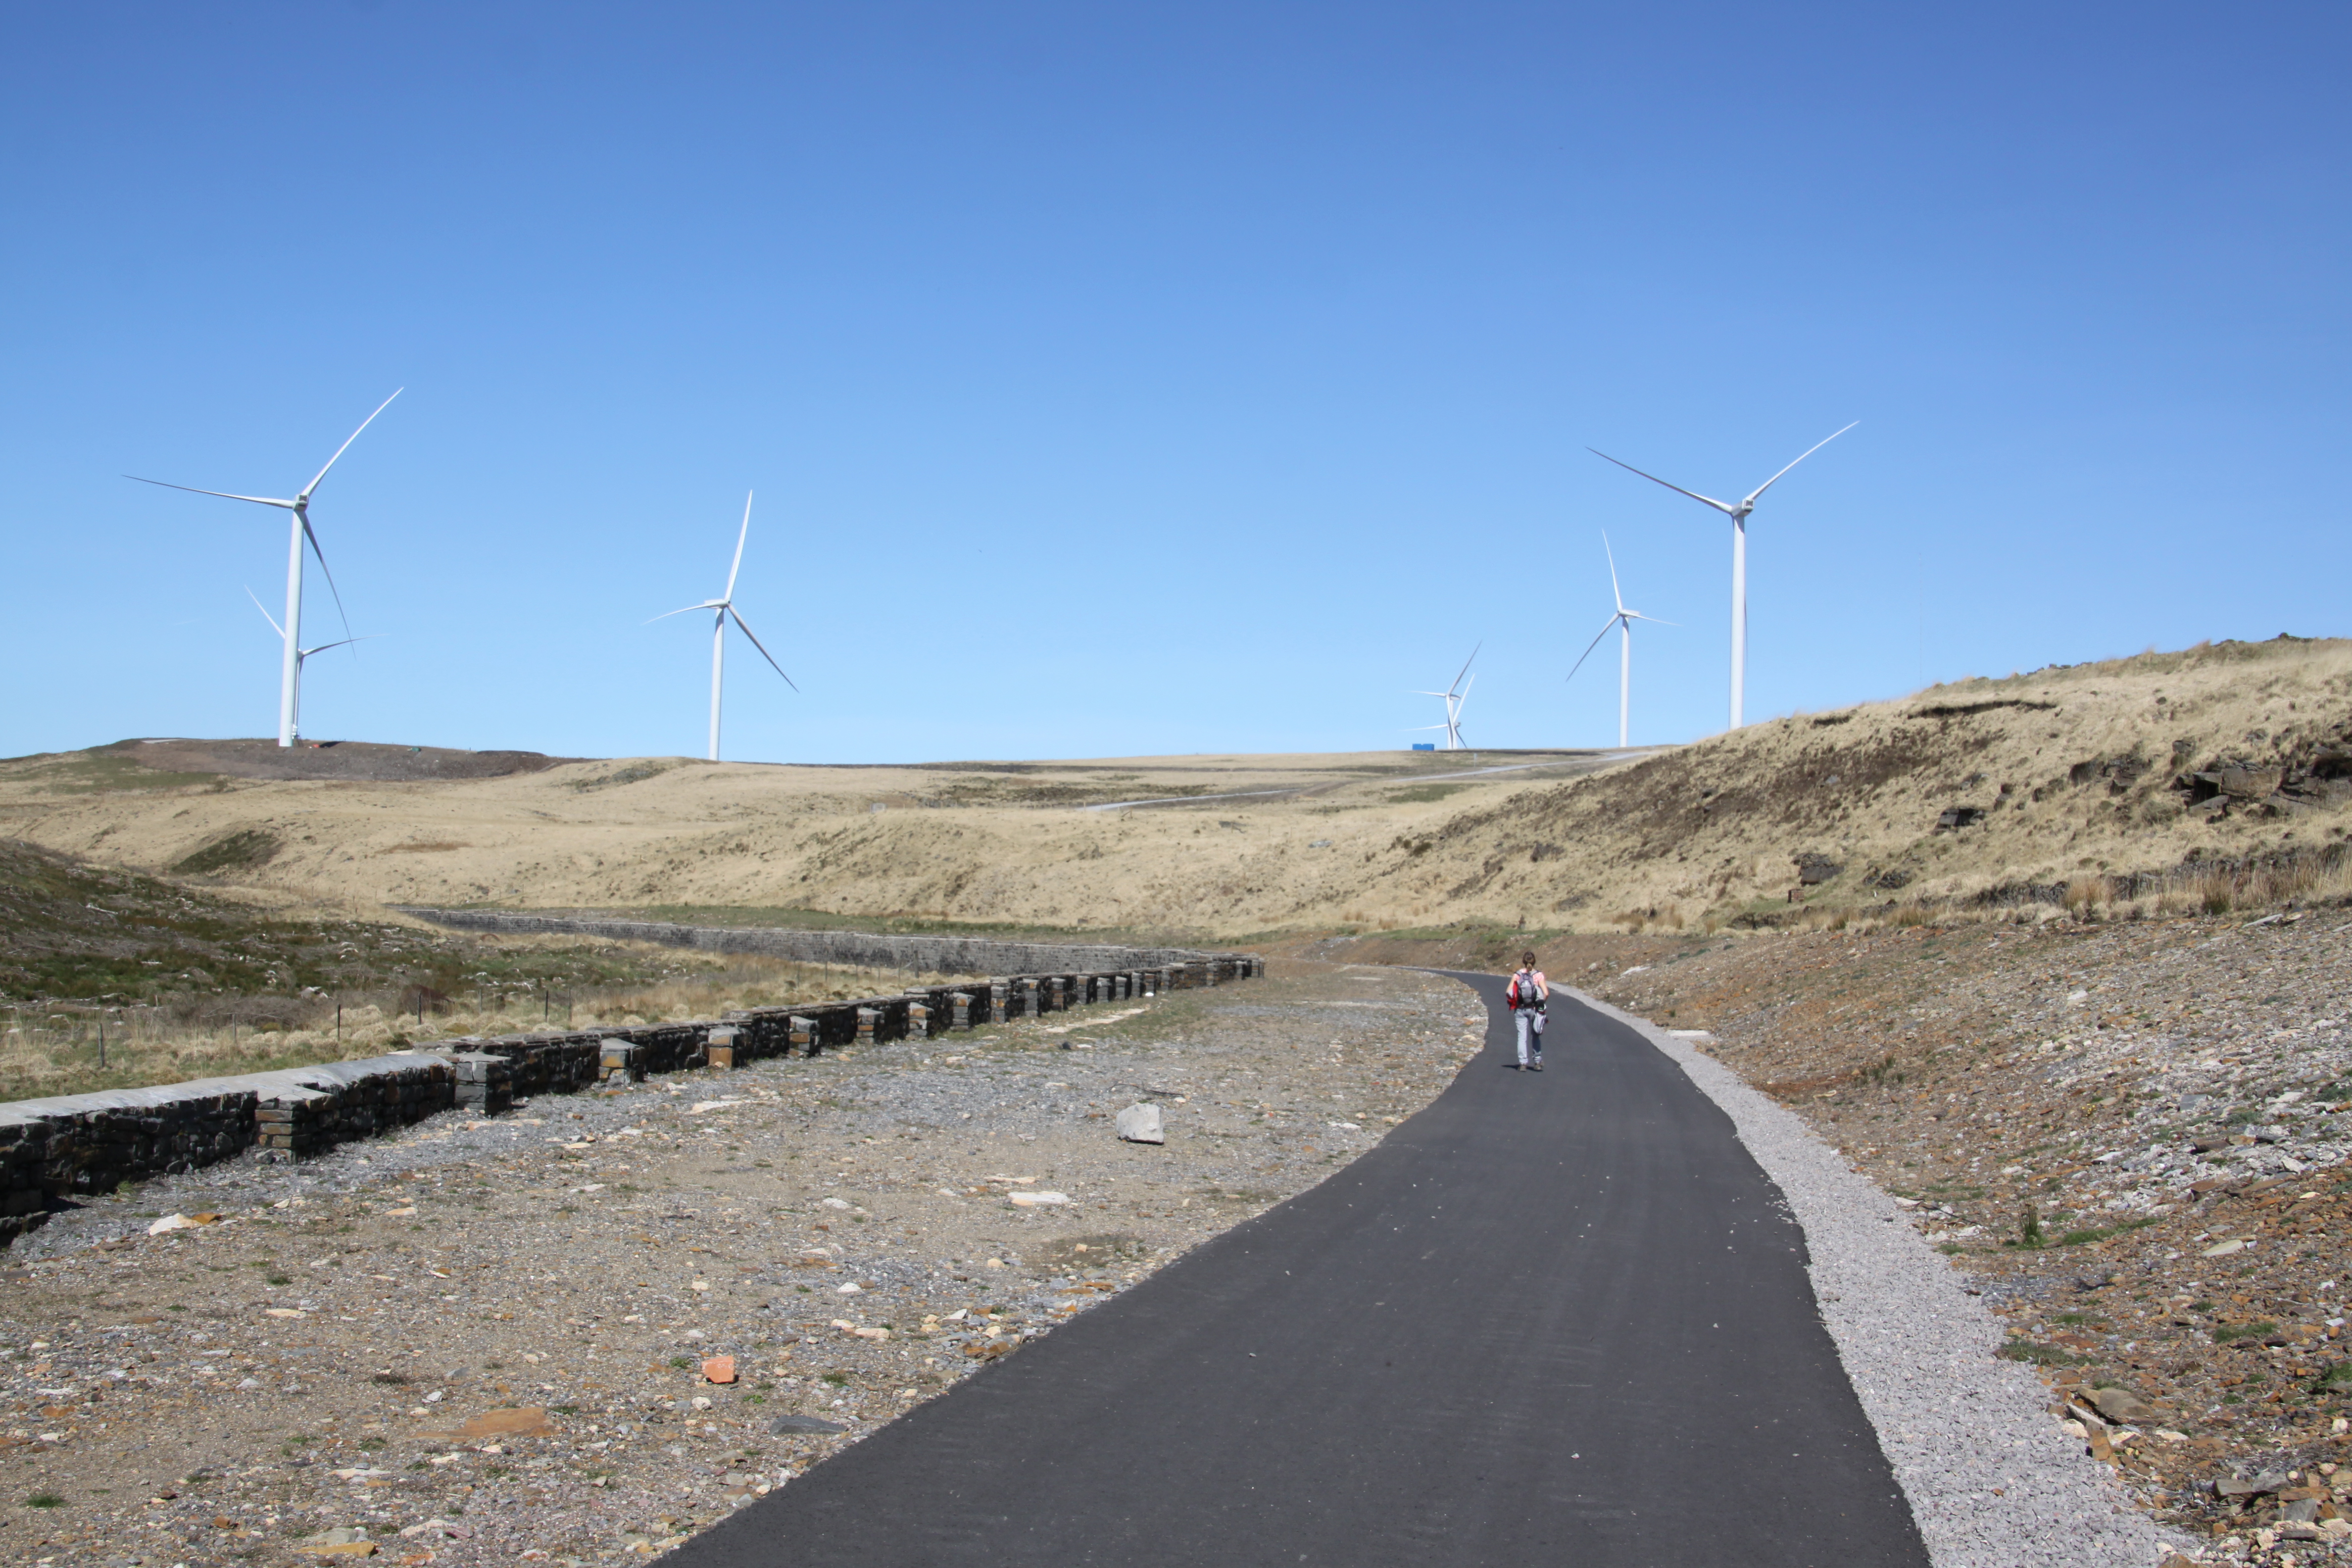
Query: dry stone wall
[(51, 1149)]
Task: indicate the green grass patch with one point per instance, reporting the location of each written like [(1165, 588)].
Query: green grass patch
[(237, 851), (104, 771), (2101, 1232), (2039, 1354), (1421, 794), (2226, 1333)]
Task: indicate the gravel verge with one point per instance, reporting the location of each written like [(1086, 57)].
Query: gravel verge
[(1993, 1483)]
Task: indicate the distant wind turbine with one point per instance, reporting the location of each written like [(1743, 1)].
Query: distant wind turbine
[(721, 608), (302, 656), (1624, 621), (289, 680), (1737, 512), (1455, 696)]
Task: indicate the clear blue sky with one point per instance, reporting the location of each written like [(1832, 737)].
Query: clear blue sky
[(1125, 379)]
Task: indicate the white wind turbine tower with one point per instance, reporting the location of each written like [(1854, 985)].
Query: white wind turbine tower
[(1624, 621), (1737, 512), (302, 656), (1455, 695), (721, 608), (289, 680)]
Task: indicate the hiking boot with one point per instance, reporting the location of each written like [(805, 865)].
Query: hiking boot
[(1537, 1064)]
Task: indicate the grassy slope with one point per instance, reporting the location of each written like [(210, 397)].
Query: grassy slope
[(2073, 768), (188, 984)]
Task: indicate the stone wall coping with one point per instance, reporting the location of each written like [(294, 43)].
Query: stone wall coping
[(321, 1076)]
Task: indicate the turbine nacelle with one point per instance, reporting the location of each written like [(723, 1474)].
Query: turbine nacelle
[(725, 610), (1454, 696), (1621, 622), (302, 535), (1737, 512)]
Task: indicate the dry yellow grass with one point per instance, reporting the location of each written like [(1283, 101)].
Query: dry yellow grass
[(2067, 776), (2071, 768)]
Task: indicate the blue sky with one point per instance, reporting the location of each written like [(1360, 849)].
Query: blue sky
[(1136, 380)]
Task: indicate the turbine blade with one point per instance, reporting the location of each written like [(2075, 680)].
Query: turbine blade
[(265, 613), (346, 446), (1637, 615), (762, 647), (224, 495), (740, 537), (321, 554), (1590, 647), (1614, 592), (706, 604), (1465, 665), (347, 642), (1655, 480), (1808, 452)]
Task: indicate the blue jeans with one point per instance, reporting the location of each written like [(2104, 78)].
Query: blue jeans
[(1528, 1022)]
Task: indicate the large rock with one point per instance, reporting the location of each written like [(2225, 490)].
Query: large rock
[(1140, 1124), (793, 1424), (2123, 1407)]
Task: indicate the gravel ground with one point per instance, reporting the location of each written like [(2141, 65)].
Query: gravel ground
[(485, 1340), (1993, 1482)]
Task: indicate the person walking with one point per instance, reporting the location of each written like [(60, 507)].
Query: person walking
[(1527, 994)]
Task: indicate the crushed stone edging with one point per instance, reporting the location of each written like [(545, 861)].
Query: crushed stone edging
[(1992, 1480)]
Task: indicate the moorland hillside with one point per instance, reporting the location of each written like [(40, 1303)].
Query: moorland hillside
[(2220, 773)]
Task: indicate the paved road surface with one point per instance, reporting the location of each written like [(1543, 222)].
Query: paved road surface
[(1554, 1319)]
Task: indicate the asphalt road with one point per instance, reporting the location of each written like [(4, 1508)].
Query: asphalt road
[(1557, 1318)]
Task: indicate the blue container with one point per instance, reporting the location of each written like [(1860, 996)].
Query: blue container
[(1424, 745)]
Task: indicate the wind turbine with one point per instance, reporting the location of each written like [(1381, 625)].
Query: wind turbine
[(721, 608), (1455, 696), (289, 680), (1624, 621), (302, 656), (1738, 513)]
